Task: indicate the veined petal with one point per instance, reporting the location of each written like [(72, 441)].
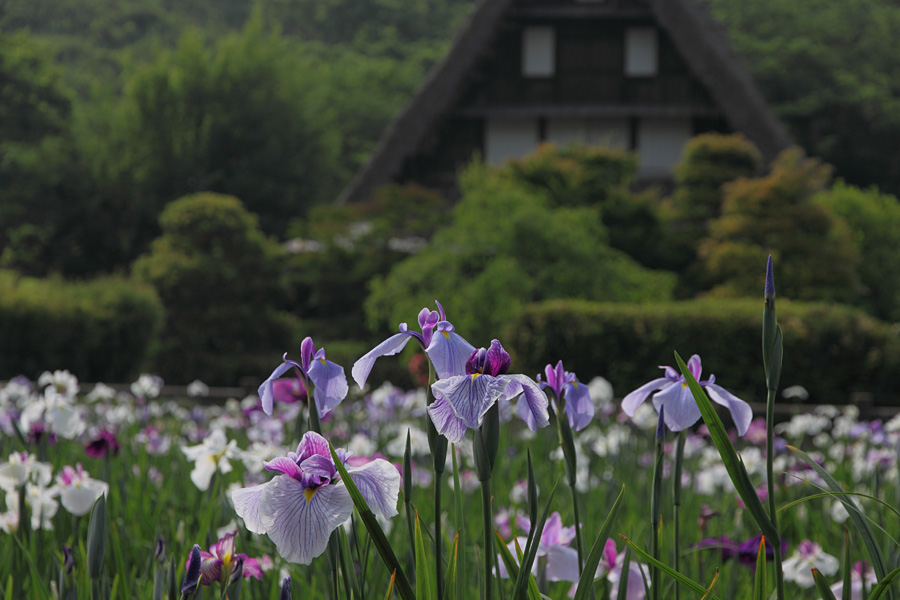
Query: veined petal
[(284, 465), (637, 397), (740, 411), (681, 408), (266, 393), (313, 443), (448, 352), (471, 396), (579, 407), (210, 568), (299, 520), (445, 420), (389, 347), (331, 384), (379, 483), (246, 505), (533, 405)]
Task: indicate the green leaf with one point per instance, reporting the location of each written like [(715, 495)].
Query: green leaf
[(590, 564), (390, 591), (424, 589), (730, 458), (460, 519), (371, 523), (683, 580), (759, 580), (531, 548), (822, 586), (452, 568), (712, 585), (884, 585), (622, 591), (847, 592), (856, 516), (347, 566), (533, 591), (512, 566), (96, 541), (835, 495)]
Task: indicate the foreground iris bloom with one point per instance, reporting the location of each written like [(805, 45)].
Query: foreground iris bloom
[(299, 508), (445, 348), (463, 400), (77, 491), (571, 393), (681, 408), (326, 377), (222, 562)]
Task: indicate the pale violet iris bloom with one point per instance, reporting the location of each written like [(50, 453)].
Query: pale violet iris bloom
[(560, 559), (463, 400), (77, 491), (809, 555), (300, 507), (681, 408), (445, 348), (574, 396), (326, 377), (611, 566)]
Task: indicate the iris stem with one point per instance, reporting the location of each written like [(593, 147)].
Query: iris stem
[(461, 571), (676, 503), (770, 485), (488, 535), (438, 567), (655, 518)]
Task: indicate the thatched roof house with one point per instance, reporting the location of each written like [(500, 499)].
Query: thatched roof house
[(640, 74)]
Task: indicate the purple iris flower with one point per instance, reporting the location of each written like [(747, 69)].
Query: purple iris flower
[(561, 560), (299, 508), (574, 395), (328, 379), (681, 408), (446, 349), (220, 564), (463, 400)]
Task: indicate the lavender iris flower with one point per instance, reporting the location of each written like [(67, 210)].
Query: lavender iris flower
[(681, 408), (463, 400), (445, 348), (574, 395), (560, 559), (299, 508), (328, 378)]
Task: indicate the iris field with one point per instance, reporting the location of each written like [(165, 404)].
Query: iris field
[(334, 485)]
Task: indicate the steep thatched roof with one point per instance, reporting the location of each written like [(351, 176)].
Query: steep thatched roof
[(696, 35)]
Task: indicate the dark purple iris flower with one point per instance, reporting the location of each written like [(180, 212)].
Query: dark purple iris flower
[(104, 444), (744, 552)]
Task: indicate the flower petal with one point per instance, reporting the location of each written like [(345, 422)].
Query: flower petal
[(313, 443), (448, 352), (331, 384), (637, 397), (740, 411), (79, 500), (471, 396), (210, 568), (284, 465), (379, 483), (300, 523), (681, 408), (265, 391), (389, 347), (445, 420), (533, 405), (562, 563), (579, 406), (246, 505)]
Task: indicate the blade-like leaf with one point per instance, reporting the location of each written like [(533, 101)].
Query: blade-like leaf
[(452, 568), (835, 495), (685, 581), (596, 553), (822, 586), (423, 580), (96, 541), (884, 585), (533, 592), (390, 592), (622, 592), (759, 580), (856, 516), (532, 547), (847, 592), (730, 458), (712, 586), (371, 523)]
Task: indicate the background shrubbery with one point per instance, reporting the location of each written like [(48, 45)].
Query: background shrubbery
[(102, 328)]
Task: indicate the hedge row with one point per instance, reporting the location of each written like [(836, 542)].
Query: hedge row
[(833, 351), (100, 330)]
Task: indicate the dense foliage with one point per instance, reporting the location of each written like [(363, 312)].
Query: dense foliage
[(103, 328), (832, 351)]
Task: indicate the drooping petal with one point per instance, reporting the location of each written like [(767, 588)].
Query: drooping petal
[(389, 347), (331, 384), (681, 410), (740, 411), (471, 396), (579, 407), (251, 566), (445, 420), (637, 397), (379, 483), (448, 352), (204, 468), (532, 407), (79, 500), (266, 392), (210, 568), (299, 520), (246, 505), (562, 563)]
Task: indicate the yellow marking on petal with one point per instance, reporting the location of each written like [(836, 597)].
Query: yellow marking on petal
[(683, 384), (474, 375), (309, 493), (322, 360), (446, 334)]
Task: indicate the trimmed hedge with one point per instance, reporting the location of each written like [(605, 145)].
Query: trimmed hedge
[(831, 350), (100, 330)]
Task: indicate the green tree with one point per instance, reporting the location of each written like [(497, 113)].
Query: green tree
[(219, 278), (776, 215), (506, 246)]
